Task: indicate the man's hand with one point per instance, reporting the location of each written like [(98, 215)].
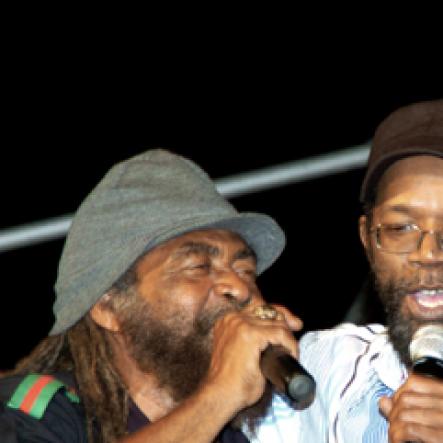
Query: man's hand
[(415, 412), (239, 339)]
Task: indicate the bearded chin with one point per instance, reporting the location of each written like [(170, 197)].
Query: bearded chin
[(401, 326), (179, 362)]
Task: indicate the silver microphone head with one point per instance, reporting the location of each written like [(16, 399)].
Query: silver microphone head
[(427, 342)]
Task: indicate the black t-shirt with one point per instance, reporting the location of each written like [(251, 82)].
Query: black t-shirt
[(63, 420)]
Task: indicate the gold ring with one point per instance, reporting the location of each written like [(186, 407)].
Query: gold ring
[(266, 312)]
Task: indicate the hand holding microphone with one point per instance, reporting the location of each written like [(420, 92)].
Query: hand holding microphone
[(285, 373), (420, 396)]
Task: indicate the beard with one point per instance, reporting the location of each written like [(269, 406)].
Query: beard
[(401, 325), (179, 361)]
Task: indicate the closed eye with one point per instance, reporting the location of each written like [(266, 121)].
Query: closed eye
[(199, 266), (248, 273)]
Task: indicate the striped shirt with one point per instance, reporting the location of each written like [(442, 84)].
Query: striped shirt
[(353, 366), (377, 430)]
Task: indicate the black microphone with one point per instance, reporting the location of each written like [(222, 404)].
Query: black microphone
[(288, 376), (426, 351)]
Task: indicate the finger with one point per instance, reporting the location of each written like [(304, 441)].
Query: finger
[(281, 314), (421, 385), (261, 332), (385, 405), (414, 400), (293, 321), (418, 408), (277, 335), (426, 417), (400, 432), (256, 330)]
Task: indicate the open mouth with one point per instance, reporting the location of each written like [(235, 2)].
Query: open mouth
[(426, 303), (429, 298)]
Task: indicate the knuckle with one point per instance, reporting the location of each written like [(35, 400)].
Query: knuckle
[(403, 400), (396, 434), (286, 335), (403, 415), (410, 428), (393, 432)]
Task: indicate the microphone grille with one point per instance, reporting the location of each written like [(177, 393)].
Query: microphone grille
[(427, 342)]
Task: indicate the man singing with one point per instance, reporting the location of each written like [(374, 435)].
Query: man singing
[(159, 323)]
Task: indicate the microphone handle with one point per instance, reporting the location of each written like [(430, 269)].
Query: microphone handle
[(288, 376), (429, 366)]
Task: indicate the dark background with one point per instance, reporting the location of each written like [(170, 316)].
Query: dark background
[(64, 127)]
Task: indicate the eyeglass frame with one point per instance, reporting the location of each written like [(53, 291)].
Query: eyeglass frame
[(415, 227)]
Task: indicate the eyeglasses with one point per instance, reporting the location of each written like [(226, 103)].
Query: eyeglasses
[(403, 238)]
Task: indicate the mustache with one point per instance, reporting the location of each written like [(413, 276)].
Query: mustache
[(404, 287), (205, 323)]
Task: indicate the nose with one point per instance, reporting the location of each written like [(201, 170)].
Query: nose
[(429, 251), (230, 285)]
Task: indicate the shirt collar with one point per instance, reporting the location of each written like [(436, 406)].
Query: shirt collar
[(385, 361)]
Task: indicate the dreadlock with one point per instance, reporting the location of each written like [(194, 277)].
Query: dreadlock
[(100, 387), (85, 351)]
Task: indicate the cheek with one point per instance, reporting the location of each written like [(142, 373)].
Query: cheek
[(389, 267), (184, 296)]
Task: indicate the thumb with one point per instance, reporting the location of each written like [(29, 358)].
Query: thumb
[(385, 405)]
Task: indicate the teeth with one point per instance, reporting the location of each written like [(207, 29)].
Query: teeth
[(431, 292), (430, 298), (431, 303)]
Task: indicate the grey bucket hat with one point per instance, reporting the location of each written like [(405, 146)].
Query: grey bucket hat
[(139, 204)]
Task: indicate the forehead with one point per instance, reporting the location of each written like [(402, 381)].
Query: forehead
[(413, 181)]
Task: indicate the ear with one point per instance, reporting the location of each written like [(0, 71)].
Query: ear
[(363, 230), (103, 315)]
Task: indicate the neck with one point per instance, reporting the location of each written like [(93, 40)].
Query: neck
[(154, 401)]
